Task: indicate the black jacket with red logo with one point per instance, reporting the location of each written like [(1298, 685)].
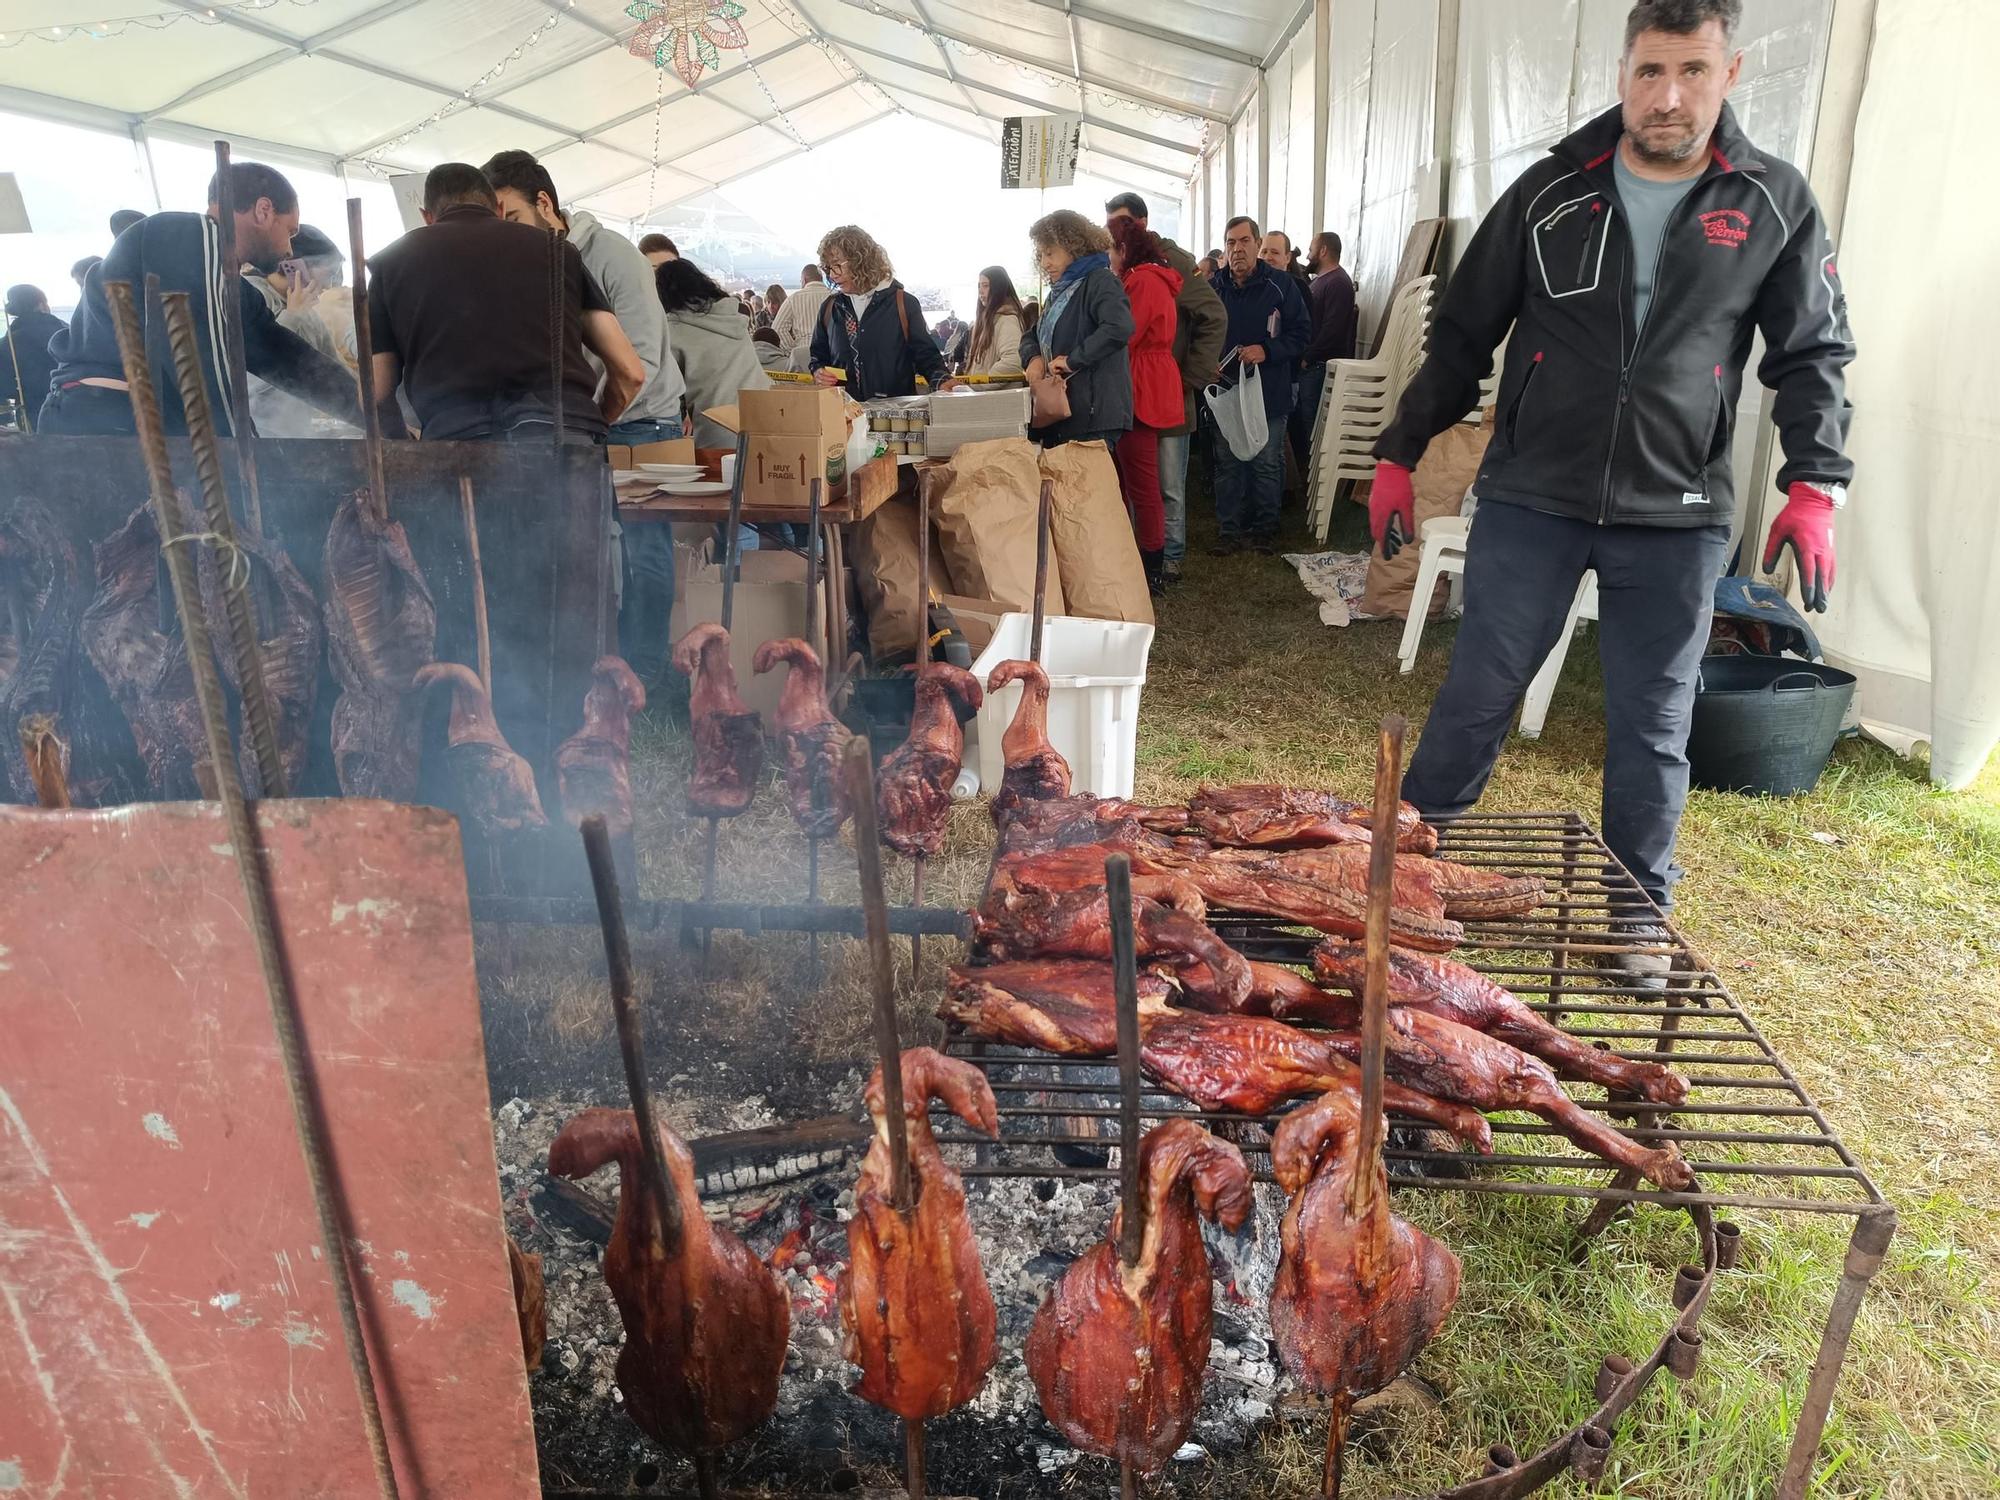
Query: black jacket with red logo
[(1615, 423)]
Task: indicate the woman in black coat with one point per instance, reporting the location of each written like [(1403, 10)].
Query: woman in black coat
[(871, 330), (1082, 332)]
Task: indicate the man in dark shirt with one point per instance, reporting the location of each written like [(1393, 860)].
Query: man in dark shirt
[(460, 313), (1330, 298), (24, 354), (87, 388)]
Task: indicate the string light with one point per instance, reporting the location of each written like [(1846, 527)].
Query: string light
[(466, 97), (835, 56), (776, 108), (116, 26)]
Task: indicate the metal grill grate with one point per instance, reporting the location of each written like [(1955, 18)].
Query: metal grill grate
[(1752, 1133)]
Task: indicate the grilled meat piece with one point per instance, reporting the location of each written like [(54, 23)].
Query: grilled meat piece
[(913, 783), (531, 1303), (1245, 1064), (1290, 817), (1038, 826), (705, 1320), (1035, 770), (146, 668), (1464, 894), (62, 739), (920, 1322), (381, 630), (1117, 1354), (812, 739), (594, 765), (1447, 988), (1359, 1291), (728, 738), (494, 783), (288, 643)]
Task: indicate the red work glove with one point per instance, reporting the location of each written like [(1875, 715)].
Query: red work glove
[(1392, 508), (1806, 526)]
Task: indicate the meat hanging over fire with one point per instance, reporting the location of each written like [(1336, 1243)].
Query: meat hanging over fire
[(1117, 1353), (913, 784), (146, 668), (1035, 770), (1290, 817), (289, 645), (920, 1321), (1243, 1064), (381, 630), (728, 739), (1447, 988), (495, 784), (812, 739), (594, 765), (1359, 1291), (705, 1321)]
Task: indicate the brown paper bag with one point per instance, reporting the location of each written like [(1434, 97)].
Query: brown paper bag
[(1442, 477), (885, 568), (984, 503), (1091, 536)]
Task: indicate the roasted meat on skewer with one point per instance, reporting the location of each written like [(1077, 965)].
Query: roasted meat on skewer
[(1244, 1064), (705, 1320), (1447, 988), (728, 738), (289, 648), (594, 765), (1359, 1291), (1290, 817), (1039, 826), (381, 630), (531, 1302), (920, 1321), (1117, 1353), (495, 784), (913, 784), (1035, 770), (812, 739)]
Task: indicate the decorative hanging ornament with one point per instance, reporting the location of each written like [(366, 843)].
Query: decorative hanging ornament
[(686, 34)]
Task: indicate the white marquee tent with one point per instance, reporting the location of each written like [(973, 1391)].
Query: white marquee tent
[(1359, 115)]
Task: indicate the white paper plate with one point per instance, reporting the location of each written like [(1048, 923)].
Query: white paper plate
[(671, 471), (695, 487)]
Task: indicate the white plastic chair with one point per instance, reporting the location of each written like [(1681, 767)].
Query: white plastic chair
[(1535, 705), (1359, 398), (1444, 556)]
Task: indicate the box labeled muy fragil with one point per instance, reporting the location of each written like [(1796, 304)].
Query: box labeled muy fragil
[(796, 434)]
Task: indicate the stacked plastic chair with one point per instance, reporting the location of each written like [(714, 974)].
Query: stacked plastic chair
[(1360, 397)]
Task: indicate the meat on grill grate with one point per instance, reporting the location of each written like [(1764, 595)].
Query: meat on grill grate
[(728, 737), (1290, 817), (913, 784), (594, 765), (1037, 827), (1035, 770), (1117, 1353), (812, 739)]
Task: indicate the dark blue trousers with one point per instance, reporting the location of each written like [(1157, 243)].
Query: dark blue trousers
[(1655, 592)]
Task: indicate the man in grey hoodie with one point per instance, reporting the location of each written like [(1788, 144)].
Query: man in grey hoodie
[(528, 196)]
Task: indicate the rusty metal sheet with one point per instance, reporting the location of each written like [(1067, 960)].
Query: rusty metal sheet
[(167, 1325)]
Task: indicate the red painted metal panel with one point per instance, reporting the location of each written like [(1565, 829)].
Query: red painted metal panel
[(167, 1325)]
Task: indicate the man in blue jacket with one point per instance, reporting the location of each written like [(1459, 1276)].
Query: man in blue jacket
[(1268, 328)]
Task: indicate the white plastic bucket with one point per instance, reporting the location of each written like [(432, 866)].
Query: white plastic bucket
[(1097, 669)]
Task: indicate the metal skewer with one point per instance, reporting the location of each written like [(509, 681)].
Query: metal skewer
[(1044, 507), (236, 395), (814, 639), (1131, 1201), (364, 355), (482, 634), (923, 660), (731, 560), (888, 1046)]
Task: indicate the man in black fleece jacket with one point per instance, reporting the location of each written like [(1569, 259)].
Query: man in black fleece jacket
[(87, 392), (1634, 265)]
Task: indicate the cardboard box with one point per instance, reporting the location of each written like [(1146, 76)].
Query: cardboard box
[(796, 434), (977, 618), (770, 604), (673, 451)]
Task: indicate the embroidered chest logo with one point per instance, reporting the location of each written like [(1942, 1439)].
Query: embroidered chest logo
[(1727, 227)]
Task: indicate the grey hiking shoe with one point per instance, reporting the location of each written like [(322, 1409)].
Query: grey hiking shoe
[(1646, 958)]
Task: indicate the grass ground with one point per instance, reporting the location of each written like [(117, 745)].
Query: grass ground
[(1860, 926)]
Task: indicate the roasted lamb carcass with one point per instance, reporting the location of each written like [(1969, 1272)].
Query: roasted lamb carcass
[(920, 1321), (495, 784), (1244, 1064), (1289, 817), (594, 765), (1464, 894), (1117, 1352), (1447, 988), (913, 785), (705, 1320), (291, 636), (1035, 769), (381, 630), (812, 739), (1041, 826), (728, 738)]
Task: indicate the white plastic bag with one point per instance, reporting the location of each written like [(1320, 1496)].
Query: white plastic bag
[(1239, 413)]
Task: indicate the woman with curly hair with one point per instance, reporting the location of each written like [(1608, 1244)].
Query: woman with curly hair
[(870, 336), (1082, 332), (1152, 286)]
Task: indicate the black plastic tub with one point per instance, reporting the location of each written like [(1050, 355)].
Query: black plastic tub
[(1765, 724)]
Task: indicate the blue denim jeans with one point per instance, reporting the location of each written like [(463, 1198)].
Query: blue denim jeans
[(1173, 492), (646, 606), (1249, 495)]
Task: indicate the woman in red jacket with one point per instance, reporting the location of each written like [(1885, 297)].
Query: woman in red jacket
[(1151, 285)]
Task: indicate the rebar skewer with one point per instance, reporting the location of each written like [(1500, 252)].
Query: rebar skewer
[(1044, 507), (364, 354), (1125, 979), (923, 660), (481, 631), (236, 387), (815, 639), (731, 560), (308, 1113)]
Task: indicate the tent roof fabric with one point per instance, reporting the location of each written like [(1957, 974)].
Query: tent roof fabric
[(393, 86)]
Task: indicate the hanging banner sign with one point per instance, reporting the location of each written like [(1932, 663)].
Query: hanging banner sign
[(1039, 151)]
